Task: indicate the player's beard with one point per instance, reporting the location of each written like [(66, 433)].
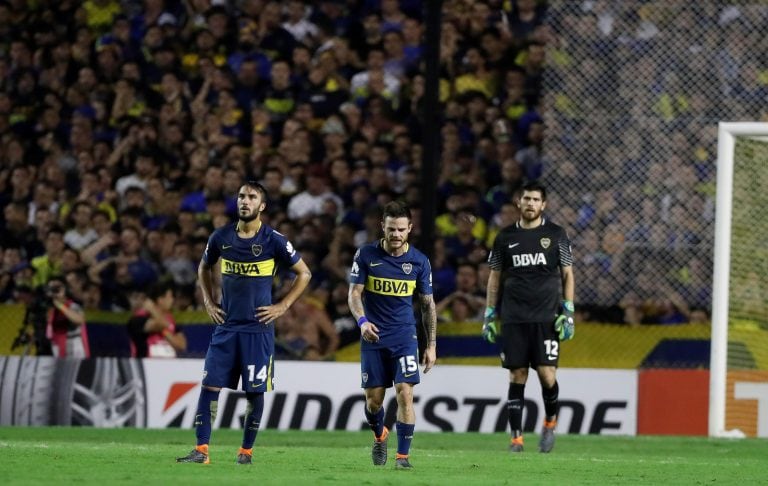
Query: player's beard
[(249, 217), (530, 216)]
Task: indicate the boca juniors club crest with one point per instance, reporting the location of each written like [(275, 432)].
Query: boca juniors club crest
[(365, 377), (256, 249), (407, 268), (545, 242)]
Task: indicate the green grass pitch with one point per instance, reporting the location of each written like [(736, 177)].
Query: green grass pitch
[(62, 455)]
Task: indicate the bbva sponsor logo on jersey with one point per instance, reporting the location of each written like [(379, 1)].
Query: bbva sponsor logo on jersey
[(248, 268), (390, 286), (528, 259)]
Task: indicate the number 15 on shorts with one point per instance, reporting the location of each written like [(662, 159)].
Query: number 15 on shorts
[(409, 366)]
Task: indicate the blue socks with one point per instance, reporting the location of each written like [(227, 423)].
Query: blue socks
[(375, 421), (206, 414), (253, 411), (404, 438)]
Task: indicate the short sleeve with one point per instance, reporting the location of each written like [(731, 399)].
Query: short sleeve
[(212, 250), (495, 257), (284, 250), (424, 283), (359, 272)]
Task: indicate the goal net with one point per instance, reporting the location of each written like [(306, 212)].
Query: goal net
[(739, 355)]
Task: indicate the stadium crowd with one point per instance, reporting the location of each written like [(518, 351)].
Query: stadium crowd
[(127, 126)]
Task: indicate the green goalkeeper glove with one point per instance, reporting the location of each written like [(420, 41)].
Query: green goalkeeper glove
[(564, 325), (489, 326)]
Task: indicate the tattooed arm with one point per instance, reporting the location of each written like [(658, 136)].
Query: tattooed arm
[(429, 317)]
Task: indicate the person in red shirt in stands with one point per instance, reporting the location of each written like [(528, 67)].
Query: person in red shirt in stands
[(152, 327), (65, 325)]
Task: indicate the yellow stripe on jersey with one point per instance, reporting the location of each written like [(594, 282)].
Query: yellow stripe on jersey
[(269, 374), (264, 268), (390, 286)]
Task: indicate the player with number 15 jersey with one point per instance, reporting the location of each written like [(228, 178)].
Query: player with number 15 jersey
[(384, 277)]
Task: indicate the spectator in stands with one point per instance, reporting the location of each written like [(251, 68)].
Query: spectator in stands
[(18, 231), (81, 233), (462, 245), (310, 201), (11, 264), (48, 265), (531, 158), (467, 287), (457, 307), (66, 322), (339, 313), (306, 331), (475, 75), (152, 327)]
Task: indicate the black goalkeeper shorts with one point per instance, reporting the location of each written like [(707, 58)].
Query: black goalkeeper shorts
[(529, 344)]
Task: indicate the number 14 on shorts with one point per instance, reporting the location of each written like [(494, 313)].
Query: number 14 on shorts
[(261, 376)]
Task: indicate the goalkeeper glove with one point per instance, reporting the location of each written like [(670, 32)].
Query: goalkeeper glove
[(489, 326), (564, 325)]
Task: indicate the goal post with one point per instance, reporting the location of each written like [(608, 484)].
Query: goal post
[(728, 134)]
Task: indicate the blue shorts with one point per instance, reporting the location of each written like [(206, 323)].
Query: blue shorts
[(380, 367), (234, 355)]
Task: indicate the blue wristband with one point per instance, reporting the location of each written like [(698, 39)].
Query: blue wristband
[(361, 321)]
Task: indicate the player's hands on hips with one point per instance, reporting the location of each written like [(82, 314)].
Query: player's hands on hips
[(429, 359), (216, 313), (489, 324), (564, 324), (369, 332), (268, 313)]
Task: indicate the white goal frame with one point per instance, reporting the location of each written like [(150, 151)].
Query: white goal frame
[(718, 364)]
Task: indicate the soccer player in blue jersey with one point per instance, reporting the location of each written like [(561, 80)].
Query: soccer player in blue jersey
[(383, 279), (243, 343)]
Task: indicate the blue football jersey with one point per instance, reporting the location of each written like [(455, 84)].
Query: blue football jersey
[(248, 266), (390, 282)]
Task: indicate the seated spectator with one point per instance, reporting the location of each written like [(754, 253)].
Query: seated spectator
[(458, 307), (306, 331), (467, 287), (338, 310)]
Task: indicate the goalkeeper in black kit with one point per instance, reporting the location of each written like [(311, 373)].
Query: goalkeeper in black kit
[(530, 294)]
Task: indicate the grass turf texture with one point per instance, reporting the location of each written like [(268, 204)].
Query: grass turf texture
[(59, 455)]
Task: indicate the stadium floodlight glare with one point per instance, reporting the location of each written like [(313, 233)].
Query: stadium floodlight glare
[(728, 133)]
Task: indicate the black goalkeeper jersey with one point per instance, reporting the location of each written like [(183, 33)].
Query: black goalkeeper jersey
[(529, 261)]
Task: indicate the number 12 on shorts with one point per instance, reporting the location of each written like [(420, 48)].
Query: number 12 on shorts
[(551, 347), (408, 365)]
